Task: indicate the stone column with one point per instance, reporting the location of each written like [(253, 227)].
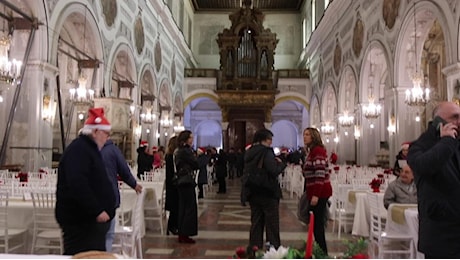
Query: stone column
[(31, 141)]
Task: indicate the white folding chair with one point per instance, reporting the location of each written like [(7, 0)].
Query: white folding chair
[(10, 238), (154, 209), (46, 233), (388, 244), (344, 212), (130, 236)]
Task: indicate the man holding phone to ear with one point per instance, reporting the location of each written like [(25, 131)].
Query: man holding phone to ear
[(435, 160)]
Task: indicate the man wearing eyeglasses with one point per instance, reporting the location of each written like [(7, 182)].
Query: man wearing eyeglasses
[(85, 199)]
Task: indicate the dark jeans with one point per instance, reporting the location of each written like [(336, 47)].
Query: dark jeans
[(84, 237), (320, 214), (222, 184), (264, 215)]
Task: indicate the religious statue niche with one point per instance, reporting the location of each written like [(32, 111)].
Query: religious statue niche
[(246, 52)]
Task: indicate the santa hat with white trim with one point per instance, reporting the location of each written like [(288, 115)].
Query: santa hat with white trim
[(97, 120)]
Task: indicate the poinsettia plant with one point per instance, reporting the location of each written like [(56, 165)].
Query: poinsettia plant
[(375, 183), (355, 250)]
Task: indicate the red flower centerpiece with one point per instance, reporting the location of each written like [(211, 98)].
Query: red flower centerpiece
[(375, 184)]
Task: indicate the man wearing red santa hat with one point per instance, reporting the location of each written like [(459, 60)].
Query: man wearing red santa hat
[(85, 200)]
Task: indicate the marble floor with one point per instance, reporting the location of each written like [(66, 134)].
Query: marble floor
[(224, 225)]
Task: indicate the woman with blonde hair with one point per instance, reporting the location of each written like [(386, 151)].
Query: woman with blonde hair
[(317, 180)]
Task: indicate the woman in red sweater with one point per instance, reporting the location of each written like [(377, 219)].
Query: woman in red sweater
[(317, 179)]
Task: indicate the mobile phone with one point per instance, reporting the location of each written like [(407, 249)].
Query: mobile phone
[(437, 123)]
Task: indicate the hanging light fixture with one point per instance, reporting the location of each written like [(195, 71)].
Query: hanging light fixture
[(372, 109), (327, 128), (80, 93), (10, 70), (419, 95), (147, 115), (179, 127), (165, 121), (346, 119)]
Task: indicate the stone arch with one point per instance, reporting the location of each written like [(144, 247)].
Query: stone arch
[(123, 68), (328, 104), (347, 90), (147, 81), (426, 13), (63, 13), (315, 112)]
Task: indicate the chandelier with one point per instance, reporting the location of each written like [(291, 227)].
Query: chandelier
[(327, 129), (10, 70), (178, 127), (372, 109), (165, 122), (419, 95), (147, 115), (346, 120), (81, 94)]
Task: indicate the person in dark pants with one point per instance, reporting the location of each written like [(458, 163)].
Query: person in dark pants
[(116, 165), (172, 197), (203, 160), (239, 163), (435, 161), (186, 163), (264, 201), (221, 171), (85, 199), (317, 179)]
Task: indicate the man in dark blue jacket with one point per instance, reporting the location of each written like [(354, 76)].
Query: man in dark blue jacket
[(85, 199), (116, 166), (435, 160)]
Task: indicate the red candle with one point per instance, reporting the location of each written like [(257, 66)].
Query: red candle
[(309, 246)]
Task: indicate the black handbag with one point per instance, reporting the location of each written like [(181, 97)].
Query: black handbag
[(186, 180)]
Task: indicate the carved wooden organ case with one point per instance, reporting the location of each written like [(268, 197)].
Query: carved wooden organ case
[(246, 63)]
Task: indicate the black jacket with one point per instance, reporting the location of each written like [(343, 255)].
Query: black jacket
[(144, 161), (271, 166), (435, 162), (84, 189), (185, 160)]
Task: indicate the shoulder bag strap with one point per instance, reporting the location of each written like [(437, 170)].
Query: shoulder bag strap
[(261, 161)]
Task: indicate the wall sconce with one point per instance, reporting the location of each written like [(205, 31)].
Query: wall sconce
[(138, 131), (49, 108), (392, 125), (357, 132), (81, 116)]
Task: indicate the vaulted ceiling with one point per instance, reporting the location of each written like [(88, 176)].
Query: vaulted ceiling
[(232, 5)]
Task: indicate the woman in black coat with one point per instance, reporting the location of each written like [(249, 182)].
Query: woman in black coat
[(186, 163), (172, 197)]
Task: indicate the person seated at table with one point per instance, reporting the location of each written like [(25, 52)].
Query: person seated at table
[(401, 190)]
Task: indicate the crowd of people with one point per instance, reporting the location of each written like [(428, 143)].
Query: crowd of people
[(91, 166)]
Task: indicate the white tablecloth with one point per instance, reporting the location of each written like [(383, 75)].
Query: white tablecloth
[(410, 226), (362, 214)]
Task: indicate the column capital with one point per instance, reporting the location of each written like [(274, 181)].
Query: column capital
[(224, 125)]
